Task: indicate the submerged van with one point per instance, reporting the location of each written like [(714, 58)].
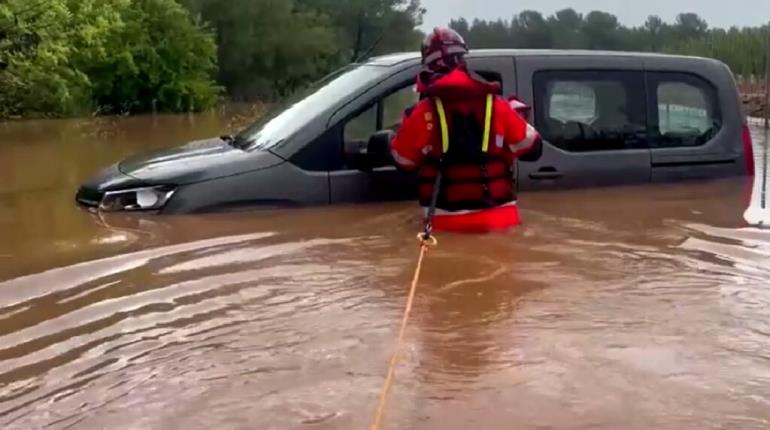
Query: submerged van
[(606, 118)]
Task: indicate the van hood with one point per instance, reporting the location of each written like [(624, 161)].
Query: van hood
[(196, 161)]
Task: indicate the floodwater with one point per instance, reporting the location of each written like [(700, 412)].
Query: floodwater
[(628, 308)]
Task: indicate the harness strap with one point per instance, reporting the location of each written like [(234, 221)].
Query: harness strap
[(487, 123), (445, 128), (428, 230)]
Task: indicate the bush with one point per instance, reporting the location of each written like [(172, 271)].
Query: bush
[(75, 57)]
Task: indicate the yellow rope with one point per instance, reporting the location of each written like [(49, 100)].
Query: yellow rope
[(424, 245)]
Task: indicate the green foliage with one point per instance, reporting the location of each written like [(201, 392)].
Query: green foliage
[(267, 48), (75, 57), (79, 57), (744, 50), (365, 27), (156, 59), (34, 59)]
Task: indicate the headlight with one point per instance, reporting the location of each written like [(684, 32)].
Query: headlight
[(136, 199)]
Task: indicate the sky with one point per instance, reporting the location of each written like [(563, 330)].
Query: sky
[(718, 13)]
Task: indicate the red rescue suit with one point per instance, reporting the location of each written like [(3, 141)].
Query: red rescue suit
[(473, 137)]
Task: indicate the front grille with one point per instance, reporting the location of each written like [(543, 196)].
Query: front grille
[(89, 197)]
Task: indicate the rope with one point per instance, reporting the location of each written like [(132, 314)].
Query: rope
[(426, 242)]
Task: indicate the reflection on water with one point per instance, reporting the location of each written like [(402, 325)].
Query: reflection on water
[(633, 308)]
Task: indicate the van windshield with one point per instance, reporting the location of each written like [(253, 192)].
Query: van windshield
[(291, 114)]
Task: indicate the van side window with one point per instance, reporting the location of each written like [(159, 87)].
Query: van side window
[(687, 111), (573, 101), (384, 114), (362, 126), (394, 105), (584, 111)]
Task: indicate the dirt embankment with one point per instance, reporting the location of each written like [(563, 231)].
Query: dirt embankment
[(753, 90)]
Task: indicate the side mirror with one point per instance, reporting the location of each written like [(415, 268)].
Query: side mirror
[(371, 154), (379, 145)]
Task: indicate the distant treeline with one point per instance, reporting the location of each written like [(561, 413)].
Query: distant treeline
[(89, 57), (743, 49)]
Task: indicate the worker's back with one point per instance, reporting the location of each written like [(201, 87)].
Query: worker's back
[(465, 138)]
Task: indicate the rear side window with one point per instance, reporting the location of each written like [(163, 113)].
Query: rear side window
[(687, 110), (585, 111)]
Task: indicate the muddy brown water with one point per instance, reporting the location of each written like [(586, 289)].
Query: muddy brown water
[(633, 308)]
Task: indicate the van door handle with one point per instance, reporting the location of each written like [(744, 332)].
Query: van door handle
[(546, 173)]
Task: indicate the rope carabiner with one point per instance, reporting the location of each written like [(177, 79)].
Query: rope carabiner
[(427, 240)]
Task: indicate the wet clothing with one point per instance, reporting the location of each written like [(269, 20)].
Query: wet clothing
[(463, 129)]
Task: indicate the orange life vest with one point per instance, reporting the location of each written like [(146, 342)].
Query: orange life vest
[(473, 176)]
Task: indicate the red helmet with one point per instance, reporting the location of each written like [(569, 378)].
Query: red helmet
[(443, 48)]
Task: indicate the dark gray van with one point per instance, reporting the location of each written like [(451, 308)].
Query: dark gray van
[(606, 118)]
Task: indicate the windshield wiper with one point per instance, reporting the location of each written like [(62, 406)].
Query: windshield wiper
[(235, 142)]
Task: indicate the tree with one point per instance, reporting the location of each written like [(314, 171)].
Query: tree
[(368, 26), (156, 59), (654, 28), (601, 30), (690, 26), (268, 48), (566, 26), (74, 57), (461, 26), (35, 74), (531, 30)]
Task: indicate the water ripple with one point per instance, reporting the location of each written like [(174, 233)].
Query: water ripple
[(632, 308)]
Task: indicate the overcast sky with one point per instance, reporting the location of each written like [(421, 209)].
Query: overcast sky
[(718, 13)]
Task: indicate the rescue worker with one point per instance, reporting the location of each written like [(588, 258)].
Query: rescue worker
[(464, 129)]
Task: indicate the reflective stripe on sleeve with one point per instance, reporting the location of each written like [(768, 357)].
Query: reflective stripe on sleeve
[(401, 160), (442, 212)]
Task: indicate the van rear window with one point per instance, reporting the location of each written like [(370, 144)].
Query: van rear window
[(584, 111), (687, 111)]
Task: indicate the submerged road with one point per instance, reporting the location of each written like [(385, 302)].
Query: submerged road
[(633, 308)]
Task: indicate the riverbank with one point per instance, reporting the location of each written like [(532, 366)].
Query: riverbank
[(235, 114), (753, 91)]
